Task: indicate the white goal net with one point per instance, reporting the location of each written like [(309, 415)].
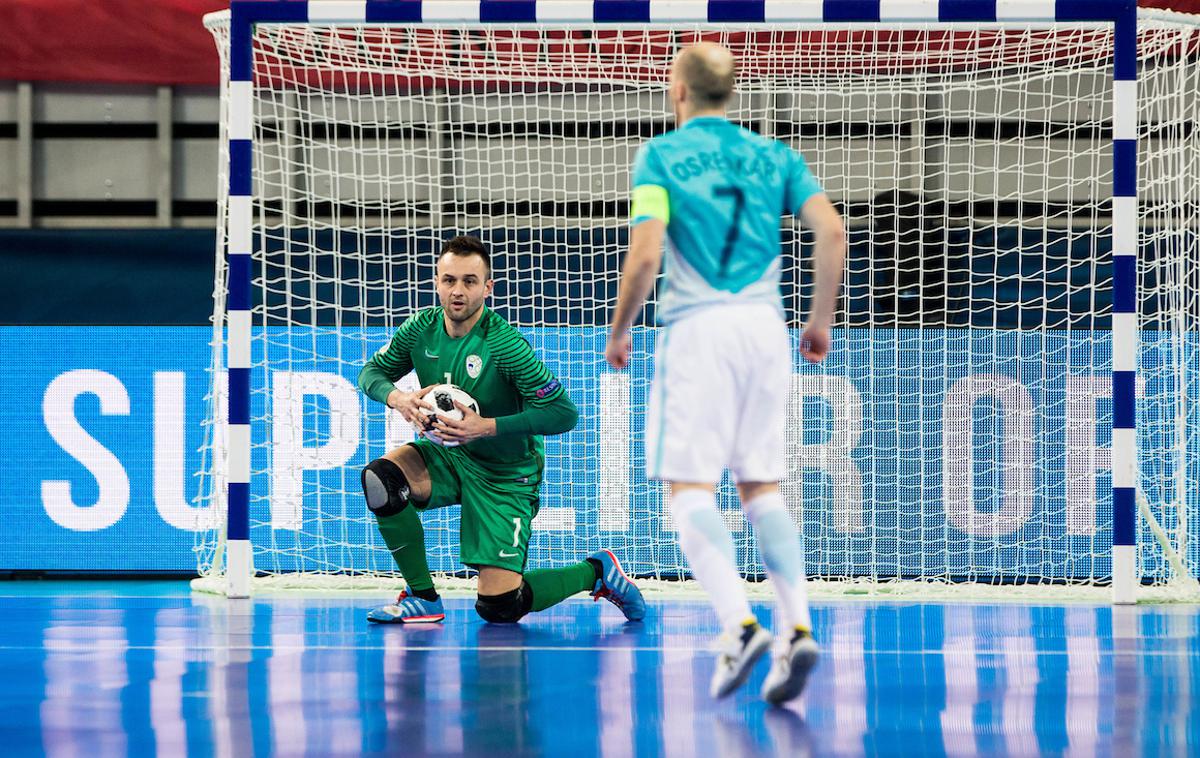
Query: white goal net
[(958, 433)]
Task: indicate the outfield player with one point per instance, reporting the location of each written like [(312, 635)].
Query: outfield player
[(723, 361), (495, 468)]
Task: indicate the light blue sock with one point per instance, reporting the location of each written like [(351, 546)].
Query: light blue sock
[(706, 542), (779, 545)]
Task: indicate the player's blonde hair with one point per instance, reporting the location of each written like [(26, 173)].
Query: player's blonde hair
[(708, 71)]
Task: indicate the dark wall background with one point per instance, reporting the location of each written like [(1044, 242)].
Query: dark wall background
[(1004, 278), (115, 277), (165, 277)]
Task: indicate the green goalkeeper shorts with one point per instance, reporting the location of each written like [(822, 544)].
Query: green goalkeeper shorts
[(496, 512)]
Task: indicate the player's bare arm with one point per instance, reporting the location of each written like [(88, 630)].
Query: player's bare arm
[(638, 273), (829, 256)]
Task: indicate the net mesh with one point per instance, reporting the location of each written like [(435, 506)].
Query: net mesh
[(958, 433)]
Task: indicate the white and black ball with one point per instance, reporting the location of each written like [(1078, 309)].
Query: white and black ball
[(439, 402)]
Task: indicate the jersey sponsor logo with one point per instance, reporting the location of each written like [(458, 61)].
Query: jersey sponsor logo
[(552, 385), (430, 355), (474, 365), (506, 554)]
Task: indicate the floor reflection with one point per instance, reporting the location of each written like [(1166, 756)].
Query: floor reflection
[(163, 672)]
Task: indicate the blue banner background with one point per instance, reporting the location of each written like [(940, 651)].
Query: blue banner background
[(140, 540), (902, 411)]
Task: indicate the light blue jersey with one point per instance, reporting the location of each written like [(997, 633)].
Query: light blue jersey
[(725, 190)]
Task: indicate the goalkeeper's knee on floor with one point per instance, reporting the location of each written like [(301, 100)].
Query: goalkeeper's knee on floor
[(507, 607)]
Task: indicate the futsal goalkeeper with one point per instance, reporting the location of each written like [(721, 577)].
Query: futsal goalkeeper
[(723, 361), (494, 462)]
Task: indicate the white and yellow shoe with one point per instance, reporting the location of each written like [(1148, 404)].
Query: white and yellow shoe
[(737, 657), (789, 671)]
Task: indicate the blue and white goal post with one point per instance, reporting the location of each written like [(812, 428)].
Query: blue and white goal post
[(977, 424)]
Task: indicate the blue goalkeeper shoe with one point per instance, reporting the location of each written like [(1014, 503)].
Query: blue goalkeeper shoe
[(617, 588), (409, 609)]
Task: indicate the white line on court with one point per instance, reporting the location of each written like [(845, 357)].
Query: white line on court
[(569, 649)]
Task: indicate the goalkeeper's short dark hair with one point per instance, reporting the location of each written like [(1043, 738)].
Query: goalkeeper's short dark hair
[(466, 245)]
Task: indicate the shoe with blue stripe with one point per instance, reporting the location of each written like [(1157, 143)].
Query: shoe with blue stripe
[(409, 609), (617, 588)]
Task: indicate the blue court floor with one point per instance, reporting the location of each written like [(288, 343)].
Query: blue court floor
[(147, 668)]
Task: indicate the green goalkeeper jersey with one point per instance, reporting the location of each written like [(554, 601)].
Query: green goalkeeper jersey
[(495, 365)]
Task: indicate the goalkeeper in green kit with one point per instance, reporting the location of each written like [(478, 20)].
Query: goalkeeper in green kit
[(490, 461)]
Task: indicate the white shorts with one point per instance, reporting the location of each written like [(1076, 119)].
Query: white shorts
[(719, 398)]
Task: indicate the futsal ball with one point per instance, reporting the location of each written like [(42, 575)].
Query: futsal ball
[(442, 397)]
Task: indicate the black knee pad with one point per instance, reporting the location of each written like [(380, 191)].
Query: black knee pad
[(385, 487), (506, 608)]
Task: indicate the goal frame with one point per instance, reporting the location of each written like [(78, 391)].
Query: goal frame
[(1120, 14)]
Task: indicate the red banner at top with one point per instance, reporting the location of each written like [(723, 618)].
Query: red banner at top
[(125, 41), (140, 41)]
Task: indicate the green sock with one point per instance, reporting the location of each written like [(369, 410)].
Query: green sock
[(405, 538), (552, 586)]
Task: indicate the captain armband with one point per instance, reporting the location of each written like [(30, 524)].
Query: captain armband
[(650, 201)]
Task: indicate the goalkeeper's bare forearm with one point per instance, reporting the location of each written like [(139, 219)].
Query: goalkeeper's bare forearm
[(638, 273)]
